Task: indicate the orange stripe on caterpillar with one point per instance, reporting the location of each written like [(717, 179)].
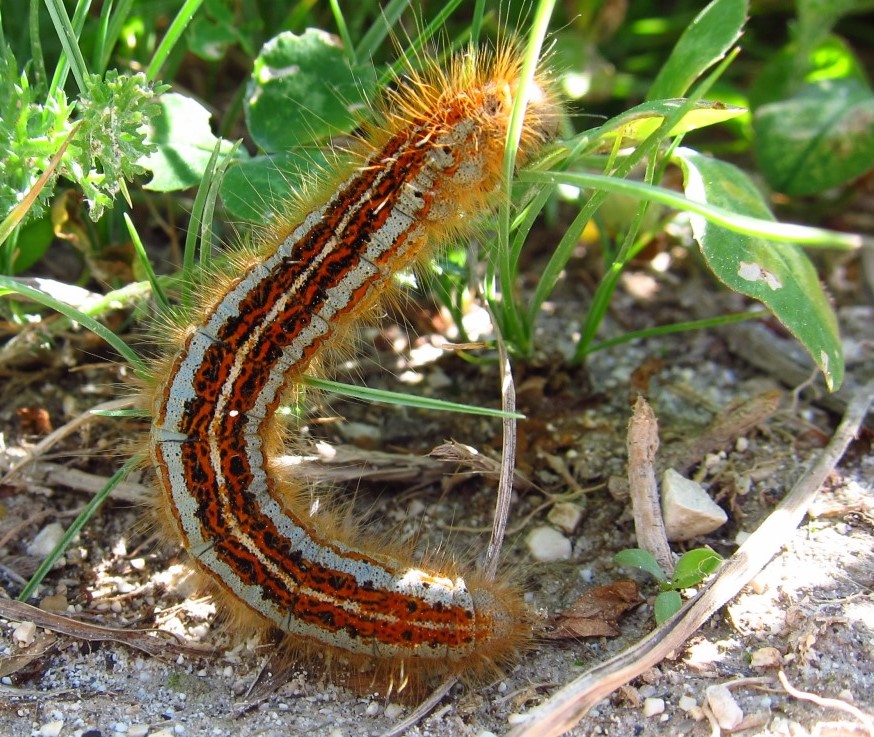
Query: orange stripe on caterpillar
[(433, 163)]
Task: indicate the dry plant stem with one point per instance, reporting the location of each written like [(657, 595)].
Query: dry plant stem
[(140, 639), (52, 438), (508, 466), (649, 527), (561, 712), (838, 704), (423, 709)]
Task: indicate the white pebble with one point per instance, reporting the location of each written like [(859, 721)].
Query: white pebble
[(726, 710), (51, 729), (138, 730), (565, 516), (653, 706), (547, 544), (24, 633), (766, 657), (393, 711), (46, 540), (688, 510), (687, 703), (373, 708)]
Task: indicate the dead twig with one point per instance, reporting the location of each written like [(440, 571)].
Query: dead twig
[(649, 527)]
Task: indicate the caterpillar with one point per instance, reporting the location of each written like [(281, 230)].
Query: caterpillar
[(420, 175)]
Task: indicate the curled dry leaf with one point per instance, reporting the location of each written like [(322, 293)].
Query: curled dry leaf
[(596, 612)]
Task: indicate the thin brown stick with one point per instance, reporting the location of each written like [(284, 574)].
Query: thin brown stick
[(145, 640), (649, 526), (566, 707)]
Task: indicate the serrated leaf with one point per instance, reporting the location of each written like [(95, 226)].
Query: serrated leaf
[(642, 559), (820, 138), (780, 275), (303, 89), (694, 566), (640, 121), (185, 143), (707, 39), (255, 190), (666, 605)]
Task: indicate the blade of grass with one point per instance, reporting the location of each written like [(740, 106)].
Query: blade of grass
[(171, 38), (96, 327), (69, 39), (404, 400), (769, 229), (76, 527), (371, 41), (146, 264), (512, 323), (677, 327), (116, 23)]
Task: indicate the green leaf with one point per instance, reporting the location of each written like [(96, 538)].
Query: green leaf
[(707, 39), (667, 604), (780, 275), (184, 144), (820, 138), (642, 559), (256, 189), (694, 566), (302, 89), (640, 121), (33, 241)]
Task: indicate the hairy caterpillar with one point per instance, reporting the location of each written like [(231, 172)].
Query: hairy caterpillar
[(426, 169)]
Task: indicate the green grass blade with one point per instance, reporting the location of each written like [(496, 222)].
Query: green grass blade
[(404, 400), (69, 38), (76, 527), (10, 284), (769, 229), (171, 38)]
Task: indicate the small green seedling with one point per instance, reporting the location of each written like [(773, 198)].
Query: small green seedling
[(692, 568)]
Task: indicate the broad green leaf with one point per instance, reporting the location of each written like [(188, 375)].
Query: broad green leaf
[(780, 275), (707, 39), (788, 70), (255, 190), (667, 604), (642, 559), (638, 122), (817, 17), (185, 143), (820, 138), (694, 566), (302, 89)]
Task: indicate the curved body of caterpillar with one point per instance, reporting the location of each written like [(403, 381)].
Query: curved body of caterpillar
[(432, 164)]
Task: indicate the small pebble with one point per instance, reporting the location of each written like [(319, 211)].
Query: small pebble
[(565, 516), (688, 510), (51, 729), (547, 544), (653, 707), (393, 711), (138, 730), (724, 707), (766, 657), (46, 540), (373, 708), (24, 633), (687, 703)]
